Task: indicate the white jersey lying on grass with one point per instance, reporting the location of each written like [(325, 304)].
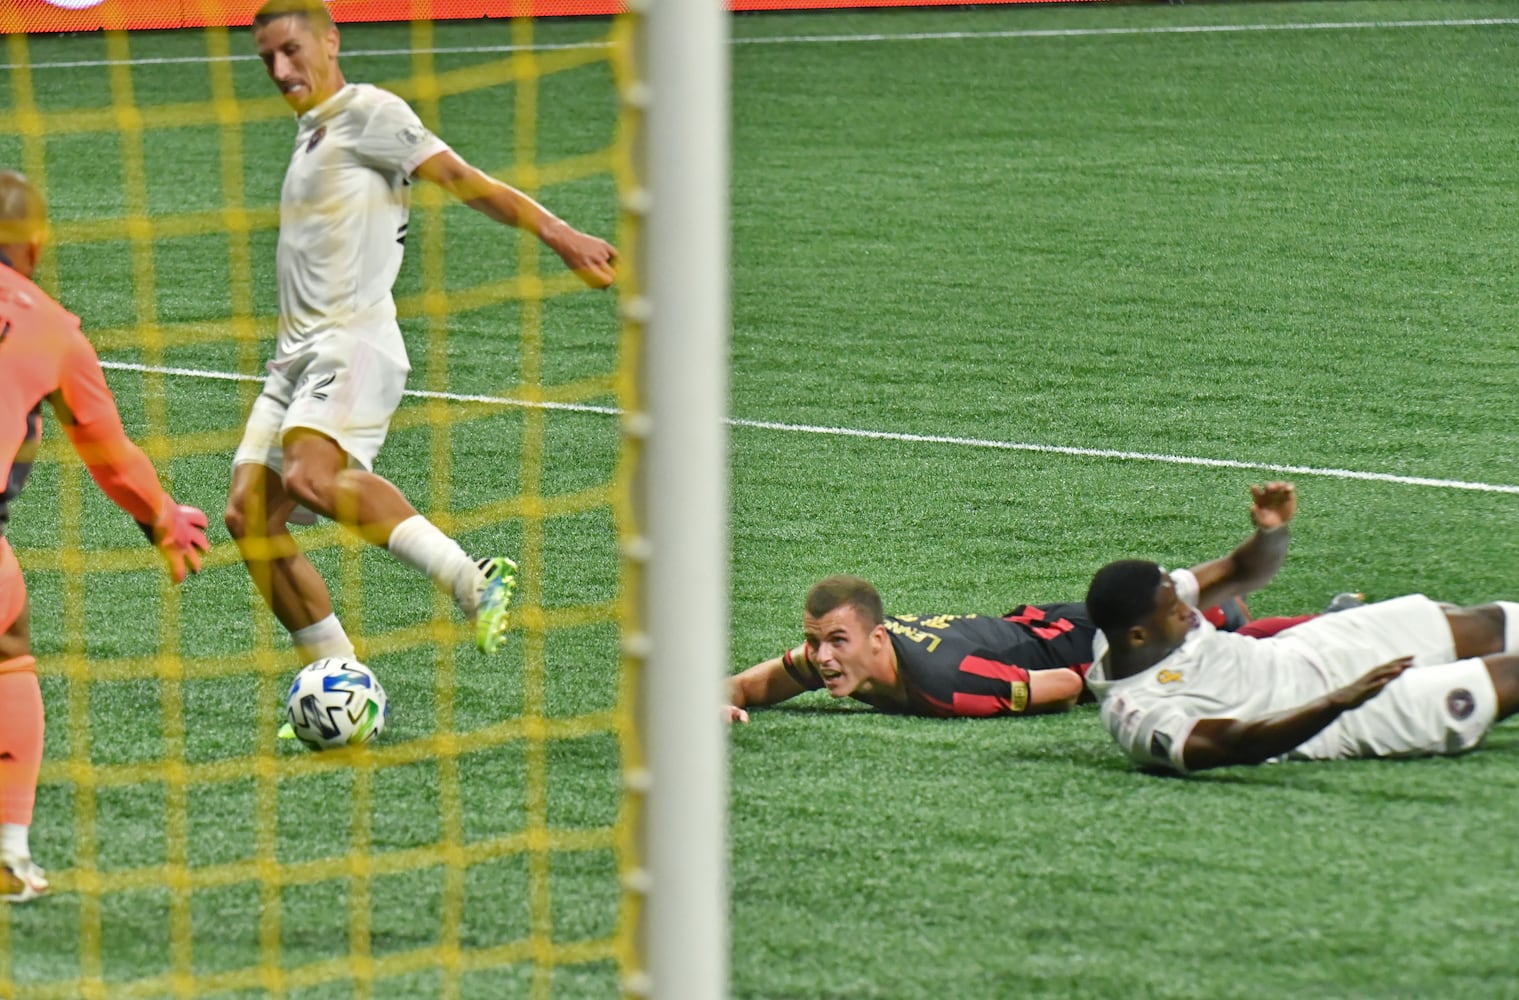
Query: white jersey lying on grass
[(1213, 674), (343, 217)]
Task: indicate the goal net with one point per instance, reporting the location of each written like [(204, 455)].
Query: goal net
[(496, 841)]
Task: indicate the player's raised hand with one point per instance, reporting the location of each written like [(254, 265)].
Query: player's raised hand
[(1370, 684), (590, 257), (1274, 504), (180, 534)]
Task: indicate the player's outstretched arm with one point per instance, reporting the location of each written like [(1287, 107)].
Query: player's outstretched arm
[(590, 257), (762, 684), (87, 411), (1221, 742), (1252, 565)]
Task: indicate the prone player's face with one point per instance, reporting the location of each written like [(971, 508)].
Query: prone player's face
[(844, 647), (299, 60), (1173, 618)]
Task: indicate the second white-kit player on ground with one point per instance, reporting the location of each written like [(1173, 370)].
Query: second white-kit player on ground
[(341, 365)]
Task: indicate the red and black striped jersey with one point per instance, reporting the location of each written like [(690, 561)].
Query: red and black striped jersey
[(975, 665)]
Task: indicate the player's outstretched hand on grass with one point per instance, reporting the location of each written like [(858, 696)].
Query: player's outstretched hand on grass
[(590, 257), (1274, 504), (732, 714), (1370, 684), (180, 534)]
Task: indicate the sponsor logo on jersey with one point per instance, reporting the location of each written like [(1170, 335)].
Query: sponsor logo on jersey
[(1460, 704), (1169, 676), (316, 137)]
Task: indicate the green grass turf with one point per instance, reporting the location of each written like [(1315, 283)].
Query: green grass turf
[(1288, 247)]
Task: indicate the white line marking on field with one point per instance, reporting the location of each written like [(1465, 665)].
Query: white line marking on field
[(452, 397), (962, 442), (1159, 29), (921, 36)]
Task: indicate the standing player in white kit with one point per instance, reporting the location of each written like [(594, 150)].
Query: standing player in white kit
[(341, 365)]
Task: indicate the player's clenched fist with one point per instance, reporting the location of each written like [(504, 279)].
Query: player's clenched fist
[(590, 257)]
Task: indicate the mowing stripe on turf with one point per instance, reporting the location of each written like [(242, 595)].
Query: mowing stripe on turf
[(961, 442), (921, 36)]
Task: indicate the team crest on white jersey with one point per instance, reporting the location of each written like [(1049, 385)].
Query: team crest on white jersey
[(316, 137)]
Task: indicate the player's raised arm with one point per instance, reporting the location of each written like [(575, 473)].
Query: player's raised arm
[(87, 411), (590, 257), (1252, 565), (767, 683)]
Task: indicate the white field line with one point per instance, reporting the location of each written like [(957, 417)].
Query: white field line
[(924, 36), (960, 442)]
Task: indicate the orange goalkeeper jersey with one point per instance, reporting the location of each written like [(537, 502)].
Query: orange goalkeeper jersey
[(42, 353)]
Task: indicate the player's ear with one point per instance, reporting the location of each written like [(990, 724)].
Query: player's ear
[(1136, 635)]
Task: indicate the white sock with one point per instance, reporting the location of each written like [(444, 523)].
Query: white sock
[(13, 841), (324, 638), (1510, 626), (418, 543)]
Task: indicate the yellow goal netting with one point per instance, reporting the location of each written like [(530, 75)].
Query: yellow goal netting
[(483, 847)]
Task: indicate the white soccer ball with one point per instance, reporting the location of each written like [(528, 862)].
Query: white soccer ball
[(336, 702)]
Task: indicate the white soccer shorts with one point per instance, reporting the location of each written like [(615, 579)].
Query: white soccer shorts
[(339, 385), (1436, 707)]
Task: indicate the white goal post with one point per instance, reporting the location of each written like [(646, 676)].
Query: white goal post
[(682, 499)]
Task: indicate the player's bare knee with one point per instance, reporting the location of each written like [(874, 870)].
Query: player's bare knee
[(311, 488), (235, 518), (1477, 631)]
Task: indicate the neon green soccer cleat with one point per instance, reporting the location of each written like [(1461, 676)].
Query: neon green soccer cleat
[(491, 618)]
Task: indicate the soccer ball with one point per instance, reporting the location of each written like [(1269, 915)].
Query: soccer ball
[(336, 702)]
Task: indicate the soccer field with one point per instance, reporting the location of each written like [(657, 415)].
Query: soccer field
[(1016, 291)]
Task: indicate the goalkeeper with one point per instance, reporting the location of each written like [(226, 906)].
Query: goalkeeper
[(340, 365), (44, 356)]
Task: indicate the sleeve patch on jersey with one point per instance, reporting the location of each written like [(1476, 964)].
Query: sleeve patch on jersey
[(981, 705), (413, 135)]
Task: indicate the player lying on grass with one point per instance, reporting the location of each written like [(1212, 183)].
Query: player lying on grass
[(1398, 678), (1028, 661), (44, 356)]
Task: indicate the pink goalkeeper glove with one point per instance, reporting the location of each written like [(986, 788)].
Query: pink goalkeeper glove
[(180, 534)]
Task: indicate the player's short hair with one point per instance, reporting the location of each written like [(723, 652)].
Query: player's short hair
[(1122, 594), (314, 11), (836, 591), (23, 212)]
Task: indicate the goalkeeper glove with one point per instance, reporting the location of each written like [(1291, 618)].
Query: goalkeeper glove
[(179, 532)]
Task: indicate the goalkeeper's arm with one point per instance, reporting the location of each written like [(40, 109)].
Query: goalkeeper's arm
[(87, 411)]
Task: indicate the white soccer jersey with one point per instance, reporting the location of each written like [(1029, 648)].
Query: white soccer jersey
[(1441, 706), (1212, 674), (343, 216)]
